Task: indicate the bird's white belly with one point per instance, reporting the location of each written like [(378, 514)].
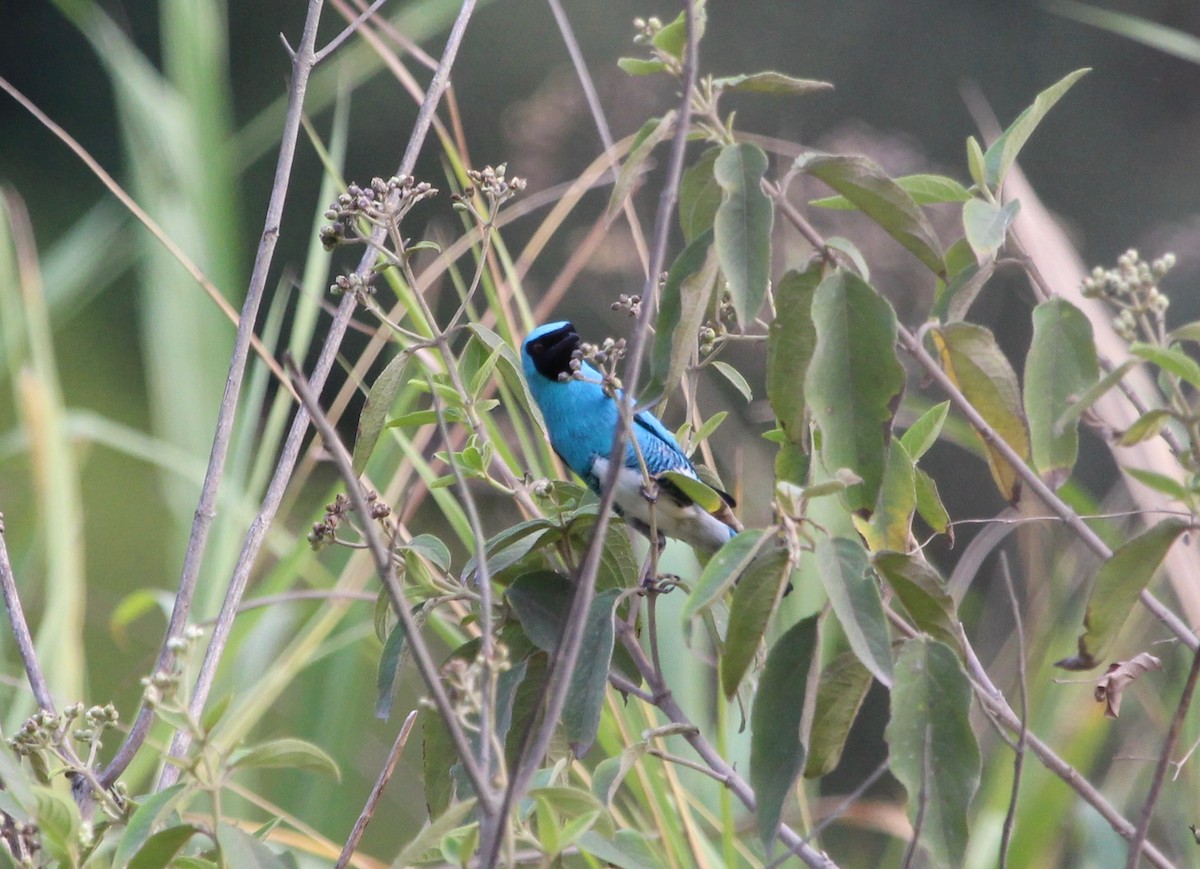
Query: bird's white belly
[(692, 524)]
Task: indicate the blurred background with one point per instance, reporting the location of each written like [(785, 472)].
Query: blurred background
[(181, 101)]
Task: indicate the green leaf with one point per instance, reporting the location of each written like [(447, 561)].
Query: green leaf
[(685, 297), (850, 250), (628, 849), (754, 602), (438, 760), (931, 748), (540, 601), (640, 66), (791, 340), (722, 571), (1118, 584), (511, 545), (509, 365), (853, 592), (161, 848), (929, 502), (1170, 360), (58, 823), (610, 772), (240, 849), (878, 196), (923, 433), (922, 592), (742, 227), (672, 38), (1145, 427), (1187, 332), (840, 694), (433, 833), (1003, 152), (287, 754), (976, 163), (388, 672), (699, 196), (769, 83), (1061, 364), (432, 549), (148, 815), (1160, 482), (777, 749), (890, 525), (924, 190), (735, 377), (653, 132), (968, 277), (986, 225), (977, 365), (618, 565), (375, 409), (1092, 394), (585, 696), (700, 492), (854, 379), (708, 427)]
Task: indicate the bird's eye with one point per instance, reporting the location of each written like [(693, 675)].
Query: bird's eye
[(535, 347)]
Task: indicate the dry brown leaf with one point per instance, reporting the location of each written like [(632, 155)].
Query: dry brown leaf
[(1112, 684)]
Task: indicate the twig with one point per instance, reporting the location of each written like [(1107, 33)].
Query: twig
[(490, 823), (20, 628), (849, 800), (994, 699), (1031, 479), (347, 32), (385, 566), (593, 100), (368, 812), (1019, 750), (719, 767), (256, 534), (1160, 770), (206, 508), (562, 663), (910, 853)]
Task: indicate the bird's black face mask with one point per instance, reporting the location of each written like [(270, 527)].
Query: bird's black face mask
[(551, 353)]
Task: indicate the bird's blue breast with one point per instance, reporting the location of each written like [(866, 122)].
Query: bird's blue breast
[(581, 420)]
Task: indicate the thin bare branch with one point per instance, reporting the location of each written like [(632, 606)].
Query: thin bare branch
[(1019, 750), (1164, 759), (566, 654), (347, 32), (20, 628), (385, 774), (206, 509), (1035, 483), (385, 567), (257, 532)]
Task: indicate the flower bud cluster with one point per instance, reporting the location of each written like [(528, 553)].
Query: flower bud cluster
[(354, 283), (647, 29), (380, 202), (1133, 287), (631, 305), (325, 532), (493, 185)]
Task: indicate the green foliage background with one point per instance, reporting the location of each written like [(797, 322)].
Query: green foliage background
[(138, 353)]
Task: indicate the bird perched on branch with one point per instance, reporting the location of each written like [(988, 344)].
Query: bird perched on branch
[(581, 420)]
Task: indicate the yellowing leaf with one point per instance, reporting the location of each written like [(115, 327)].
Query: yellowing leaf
[(973, 360)]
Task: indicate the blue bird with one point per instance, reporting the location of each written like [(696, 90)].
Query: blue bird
[(581, 420)]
